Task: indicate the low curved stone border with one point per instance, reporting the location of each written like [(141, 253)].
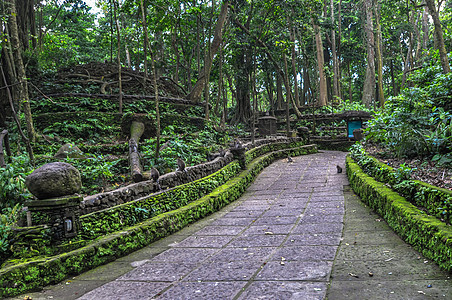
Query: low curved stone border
[(427, 234), (435, 200), (135, 191), (38, 273)]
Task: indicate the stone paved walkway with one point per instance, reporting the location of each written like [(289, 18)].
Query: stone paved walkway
[(283, 239)]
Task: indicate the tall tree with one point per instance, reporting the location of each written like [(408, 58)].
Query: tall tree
[(20, 69), (378, 46), (369, 81), (320, 64), (204, 74), (439, 38)]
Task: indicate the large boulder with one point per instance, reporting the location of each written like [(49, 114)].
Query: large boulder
[(54, 180)]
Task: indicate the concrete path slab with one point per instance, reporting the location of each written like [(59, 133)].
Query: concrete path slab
[(296, 233)]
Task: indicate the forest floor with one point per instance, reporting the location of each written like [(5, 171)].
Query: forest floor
[(424, 169)]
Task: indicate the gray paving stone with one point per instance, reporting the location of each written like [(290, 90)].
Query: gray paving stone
[(220, 230), (325, 210), (387, 270), (376, 252), (306, 253), (243, 254), (390, 290), (185, 255), (233, 222), (258, 241), (268, 229), (203, 290), (119, 290), (295, 270), (312, 228), (204, 241), (283, 290), (321, 218), (283, 212), (158, 272), (225, 271), (315, 239), (276, 220)]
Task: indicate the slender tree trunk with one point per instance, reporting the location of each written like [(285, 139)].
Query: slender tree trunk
[(118, 56), (204, 74), (369, 81), (320, 63), (146, 38), (338, 54), (20, 71), (288, 96), (335, 60), (154, 80), (425, 28), (381, 96), (294, 67), (279, 95), (439, 36)]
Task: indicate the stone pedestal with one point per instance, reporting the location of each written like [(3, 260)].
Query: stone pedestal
[(61, 214), (267, 125)]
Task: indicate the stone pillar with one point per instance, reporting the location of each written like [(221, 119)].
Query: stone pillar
[(61, 214), (56, 187)]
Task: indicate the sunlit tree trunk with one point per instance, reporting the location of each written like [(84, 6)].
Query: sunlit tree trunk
[(118, 56), (381, 96), (320, 63), (369, 81), (439, 36), (335, 60), (20, 70)]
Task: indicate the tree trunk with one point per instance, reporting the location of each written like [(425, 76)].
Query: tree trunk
[(335, 61), (294, 67), (136, 131), (381, 96), (279, 95), (320, 63), (288, 96), (195, 94), (118, 56), (369, 81), (439, 36), (20, 70), (146, 38)]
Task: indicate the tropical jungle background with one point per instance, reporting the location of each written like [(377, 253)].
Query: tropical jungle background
[(202, 72)]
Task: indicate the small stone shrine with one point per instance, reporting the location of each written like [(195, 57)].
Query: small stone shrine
[(267, 125), (56, 185)]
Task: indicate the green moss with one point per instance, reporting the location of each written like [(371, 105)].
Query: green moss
[(199, 199), (427, 234)]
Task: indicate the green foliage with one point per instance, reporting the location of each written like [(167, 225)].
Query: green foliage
[(12, 182), (8, 218), (96, 172), (436, 201)]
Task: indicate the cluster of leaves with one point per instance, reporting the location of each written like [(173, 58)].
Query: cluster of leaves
[(418, 121), (12, 182), (192, 148), (13, 194)]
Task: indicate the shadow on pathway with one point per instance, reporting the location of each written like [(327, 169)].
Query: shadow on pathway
[(283, 239)]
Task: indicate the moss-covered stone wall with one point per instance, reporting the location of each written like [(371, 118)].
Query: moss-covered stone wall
[(426, 233), (105, 245)]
